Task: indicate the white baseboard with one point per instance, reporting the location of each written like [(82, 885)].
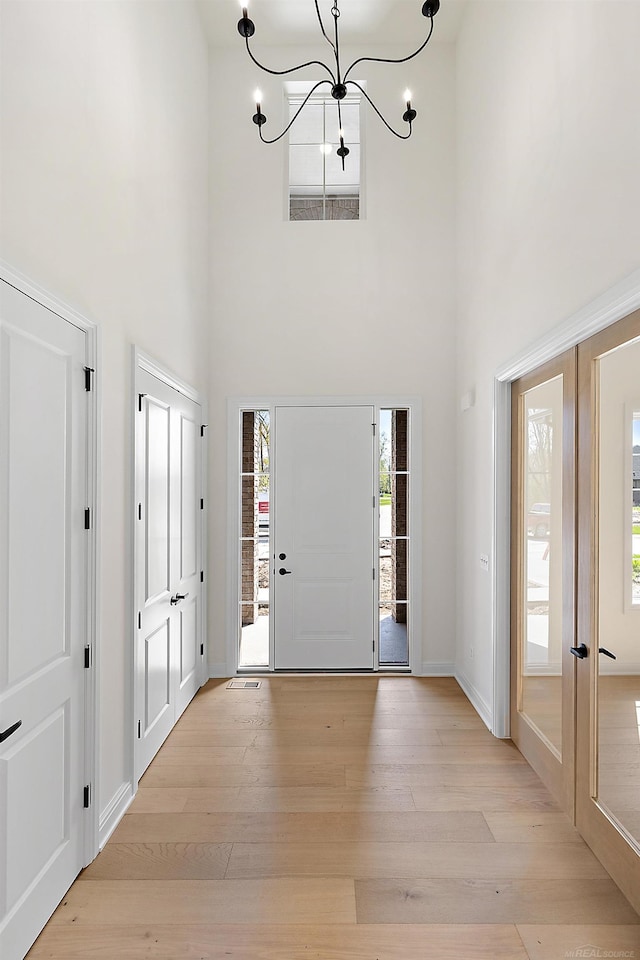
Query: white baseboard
[(114, 812), (437, 668), (217, 670), (477, 700)]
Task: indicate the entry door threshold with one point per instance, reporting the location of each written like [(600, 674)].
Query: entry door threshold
[(356, 672)]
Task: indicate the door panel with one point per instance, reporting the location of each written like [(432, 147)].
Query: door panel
[(543, 438), (43, 602), (156, 512), (324, 527), (168, 553), (608, 691)]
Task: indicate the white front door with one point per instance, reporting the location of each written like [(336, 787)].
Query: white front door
[(168, 551), (43, 628), (323, 571)]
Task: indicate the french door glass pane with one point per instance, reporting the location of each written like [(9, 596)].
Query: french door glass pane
[(541, 635), (618, 682)]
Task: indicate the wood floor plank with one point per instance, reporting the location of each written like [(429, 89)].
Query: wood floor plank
[(286, 754), (160, 861), (551, 941), (303, 799), (524, 826), (408, 826), (208, 901), (502, 861), (519, 775), (281, 942), (438, 797), (187, 754), (486, 901), (174, 800), (237, 775), (195, 736)]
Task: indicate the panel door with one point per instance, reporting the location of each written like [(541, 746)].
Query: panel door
[(542, 565), (168, 552), (187, 547), (324, 538), (42, 613), (608, 691)]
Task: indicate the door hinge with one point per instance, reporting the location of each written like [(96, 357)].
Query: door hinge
[(87, 796), (202, 503), (373, 646), (374, 428), (87, 657), (202, 649), (87, 518), (139, 511), (374, 501), (140, 396), (203, 427), (139, 620), (202, 576), (87, 378), (373, 573), (139, 729)]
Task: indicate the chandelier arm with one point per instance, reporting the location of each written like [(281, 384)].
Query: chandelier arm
[(320, 83), (386, 60), (281, 73), (324, 32), (400, 136)]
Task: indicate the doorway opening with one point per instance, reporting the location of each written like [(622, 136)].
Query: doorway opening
[(295, 492)]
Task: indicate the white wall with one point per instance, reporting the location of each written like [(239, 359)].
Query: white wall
[(104, 204), (548, 195), (339, 308)]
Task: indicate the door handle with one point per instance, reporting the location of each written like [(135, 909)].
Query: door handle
[(178, 597), (607, 653), (580, 652), (12, 729), (282, 571)]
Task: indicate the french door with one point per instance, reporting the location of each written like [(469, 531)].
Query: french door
[(575, 689), (168, 532), (43, 620), (608, 666), (323, 546)]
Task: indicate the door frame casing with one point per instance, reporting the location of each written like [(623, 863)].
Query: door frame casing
[(614, 304), (144, 363), (91, 760), (234, 407)]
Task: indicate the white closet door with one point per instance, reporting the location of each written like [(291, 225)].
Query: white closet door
[(42, 613), (168, 552), (324, 544)]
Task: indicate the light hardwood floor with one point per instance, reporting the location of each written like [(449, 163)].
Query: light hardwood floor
[(340, 818)]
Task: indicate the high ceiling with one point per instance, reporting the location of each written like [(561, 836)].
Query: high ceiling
[(374, 22)]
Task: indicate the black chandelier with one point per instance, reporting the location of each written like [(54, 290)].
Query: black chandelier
[(338, 81)]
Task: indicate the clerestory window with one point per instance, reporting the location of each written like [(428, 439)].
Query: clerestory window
[(319, 187)]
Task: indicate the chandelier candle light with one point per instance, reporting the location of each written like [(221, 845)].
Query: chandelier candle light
[(338, 81)]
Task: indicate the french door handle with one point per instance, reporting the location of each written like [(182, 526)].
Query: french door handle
[(282, 571), (607, 653), (580, 652), (12, 729), (178, 597)]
